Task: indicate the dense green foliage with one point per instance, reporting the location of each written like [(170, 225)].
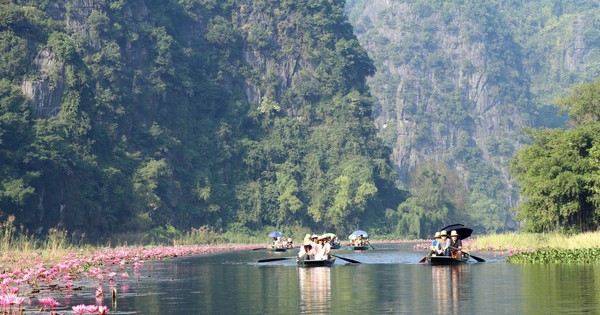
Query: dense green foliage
[(178, 114), (558, 172), (557, 256)]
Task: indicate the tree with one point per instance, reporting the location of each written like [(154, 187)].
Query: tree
[(558, 172)]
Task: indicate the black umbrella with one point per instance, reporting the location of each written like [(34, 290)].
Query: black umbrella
[(452, 227), (463, 232)]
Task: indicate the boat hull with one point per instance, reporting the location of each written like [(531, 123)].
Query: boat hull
[(278, 249), (315, 263), (447, 260), (359, 247)]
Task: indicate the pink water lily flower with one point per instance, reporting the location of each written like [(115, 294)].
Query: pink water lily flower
[(80, 309), (11, 299), (48, 302), (103, 310), (91, 308)]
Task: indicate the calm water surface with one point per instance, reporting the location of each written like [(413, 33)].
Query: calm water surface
[(389, 281)]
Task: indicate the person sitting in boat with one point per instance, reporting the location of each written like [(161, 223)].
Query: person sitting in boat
[(445, 244), (455, 245), (365, 242), (324, 249), (334, 241), (279, 242), (436, 244), (315, 242), (289, 243), (307, 252), (358, 241)]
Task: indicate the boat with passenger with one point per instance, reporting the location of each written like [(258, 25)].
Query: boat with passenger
[(448, 260), (448, 250), (316, 263), (359, 240)]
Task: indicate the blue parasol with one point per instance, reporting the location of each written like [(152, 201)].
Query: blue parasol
[(359, 233), (276, 234)]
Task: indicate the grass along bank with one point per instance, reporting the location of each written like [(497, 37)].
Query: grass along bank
[(533, 241), (543, 248)]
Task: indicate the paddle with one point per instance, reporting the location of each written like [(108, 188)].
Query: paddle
[(347, 259), (259, 248), (423, 259), (479, 259), (274, 259)]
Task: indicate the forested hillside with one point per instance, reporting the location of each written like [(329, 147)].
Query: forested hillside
[(156, 116), (456, 83)]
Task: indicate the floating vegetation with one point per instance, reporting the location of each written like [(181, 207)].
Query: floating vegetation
[(557, 256)]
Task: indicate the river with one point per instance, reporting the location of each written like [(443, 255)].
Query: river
[(389, 281)]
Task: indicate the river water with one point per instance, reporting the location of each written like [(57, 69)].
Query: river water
[(389, 281)]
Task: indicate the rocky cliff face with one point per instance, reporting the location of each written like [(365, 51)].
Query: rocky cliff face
[(46, 93), (443, 88), (456, 83)]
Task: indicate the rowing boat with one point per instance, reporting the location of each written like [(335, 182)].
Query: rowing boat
[(363, 247), (315, 263), (447, 260), (277, 249)]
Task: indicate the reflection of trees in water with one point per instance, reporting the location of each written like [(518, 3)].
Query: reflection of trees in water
[(447, 288), (315, 290)]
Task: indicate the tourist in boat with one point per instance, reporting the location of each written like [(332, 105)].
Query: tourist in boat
[(307, 252), (289, 244), (455, 245), (315, 241), (445, 244), (358, 241), (335, 242), (366, 241), (279, 242), (436, 244), (324, 249)]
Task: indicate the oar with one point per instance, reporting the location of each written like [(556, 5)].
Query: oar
[(259, 248), (479, 259), (423, 259), (274, 259), (347, 259)]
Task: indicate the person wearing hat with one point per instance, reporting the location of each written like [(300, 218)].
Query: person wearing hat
[(436, 244), (289, 243), (307, 252), (455, 245), (315, 242), (324, 248), (445, 243)]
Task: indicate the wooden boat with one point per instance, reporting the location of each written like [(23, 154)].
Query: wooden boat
[(447, 260), (363, 247), (278, 249), (315, 263)]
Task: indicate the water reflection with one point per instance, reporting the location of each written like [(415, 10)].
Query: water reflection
[(315, 290), (448, 288)]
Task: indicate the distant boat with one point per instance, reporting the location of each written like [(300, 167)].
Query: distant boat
[(278, 249), (362, 247)]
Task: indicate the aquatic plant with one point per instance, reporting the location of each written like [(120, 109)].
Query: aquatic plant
[(557, 256)]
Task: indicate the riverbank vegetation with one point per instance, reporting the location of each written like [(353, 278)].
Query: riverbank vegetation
[(542, 248), (515, 242)]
